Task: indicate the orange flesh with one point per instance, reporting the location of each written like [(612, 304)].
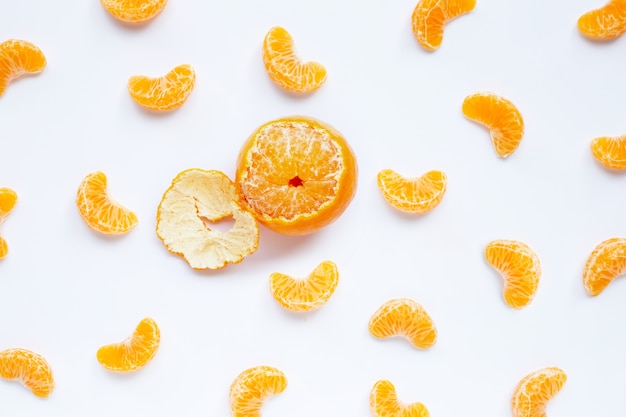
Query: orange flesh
[(606, 262), (610, 151), (384, 402), (406, 318), (17, 58), (28, 367), (535, 390), (305, 294), (430, 17), (252, 388), (607, 22), (134, 11), (164, 93), (412, 195), (133, 353)]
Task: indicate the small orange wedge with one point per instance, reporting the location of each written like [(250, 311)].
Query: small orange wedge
[(607, 22), (285, 68), (252, 388), (610, 151), (164, 93), (500, 116), (305, 294), (520, 268), (8, 199), (30, 368), (431, 16), (133, 353), (134, 11), (384, 403), (535, 390), (99, 210), (18, 58), (606, 262), (405, 318), (417, 195)]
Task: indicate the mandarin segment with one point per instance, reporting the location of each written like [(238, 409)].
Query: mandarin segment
[(296, 175), (405, 318), (606, 262), (431, 16), (134, 11), (535, 390), (196, 199), (164, 93), (519, 267), (500, 116), (417, 195), (19, 58), (610, 151), (134, 352), (384, 402), (285, 68), (606, 22), (305, 294), (30, 368), (99, 210), (8, 199), (252, 388)]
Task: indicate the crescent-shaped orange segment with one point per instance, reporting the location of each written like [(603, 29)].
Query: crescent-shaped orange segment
[(405, 318), (605, 263), (535, 390), (30, 368), (134, 11), (431, 16), (417, 195), (305, 294), (164, 93), (384, 402), (18, 58), (606, 22), (134, 352), (610, 151), (8, 199), (252, 388)]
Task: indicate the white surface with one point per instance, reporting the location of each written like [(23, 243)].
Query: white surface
[(66, 291)]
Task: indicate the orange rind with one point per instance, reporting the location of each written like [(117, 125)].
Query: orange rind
[(19, 58), (519, 267), (99, 210), (8, 199), (384, 402), (417, 195), (134, 11), (606, 22), (285, 68), (605, 263), (306, 294), (252, 388), (196, 199), (164, 93), (30, 368), (405, 318), (134, 352), (431, 16), (500, 116), (610, 151), (535, 390)]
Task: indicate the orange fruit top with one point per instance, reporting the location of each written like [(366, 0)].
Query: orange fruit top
[(17, 58), (606, 22), (535, 390), (134, 11), (431, 16), (296, 175), (30, 368)]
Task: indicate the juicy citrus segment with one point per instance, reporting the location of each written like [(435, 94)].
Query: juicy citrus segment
[(252, 387), (305, 294), (101, 212), (285, 68), (30, 368), (606, 262), (133, 353), (164, 93), (417, 195), (406, 318), (610, 151), (500, 116), (607, 22), (196, 199), (431, 16), (134, 11), (535, 390), (8, 199), (17, 58), (384, 403), (296, 174), (519, 267)]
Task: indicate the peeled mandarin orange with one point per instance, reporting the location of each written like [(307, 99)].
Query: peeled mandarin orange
[(416, 195), (405, 318), (285, 68), (164, 93), (101, 212), (8, 199), (500, 116), (134, 11), (18, 58), (196, 199), (610, 151), (134, 352), (431, 16), (308, 293), (535, 390), (252, 388), (606, 262), (520, 268), (384, 403), (607, 22), (296, 175), (30, 368)]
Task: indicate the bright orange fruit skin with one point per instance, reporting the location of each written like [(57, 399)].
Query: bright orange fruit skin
[(384, 403), (405, 318), (431, 16), (535, 390), (296, 174), (605, 263), (252, 387), (17, 58), (164, 93), (133, 353), (610, 151), (30, 368), (134, 11), (606, 22)]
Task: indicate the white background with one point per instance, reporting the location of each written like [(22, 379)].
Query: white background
[(65, 290)]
